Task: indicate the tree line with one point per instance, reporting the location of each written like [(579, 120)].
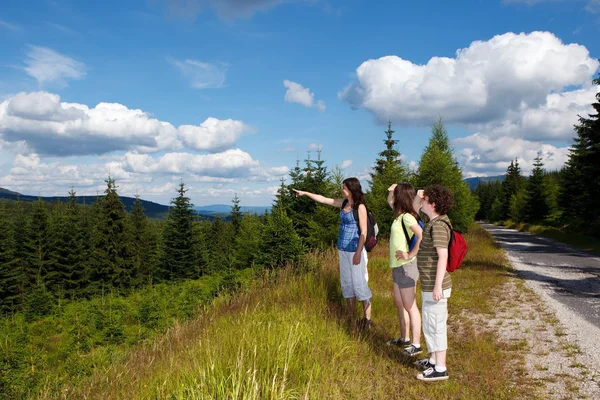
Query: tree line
[(565, 198), (56, 252)]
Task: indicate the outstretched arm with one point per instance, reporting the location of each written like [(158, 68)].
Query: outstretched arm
[(319, 199)]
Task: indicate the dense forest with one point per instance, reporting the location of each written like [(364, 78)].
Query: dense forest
[(567, 198)]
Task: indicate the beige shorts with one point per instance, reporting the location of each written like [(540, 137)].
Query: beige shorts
[(406, 276), (434, 318)]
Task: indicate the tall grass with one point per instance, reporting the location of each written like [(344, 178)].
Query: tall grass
[(288, 338)]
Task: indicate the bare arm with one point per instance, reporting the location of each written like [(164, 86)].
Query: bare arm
[(417, 201), (362, 222), (320, 199), (440, 272), (390, 198)]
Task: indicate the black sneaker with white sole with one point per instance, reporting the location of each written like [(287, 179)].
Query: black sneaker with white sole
[(413, 350), (398, 342), (424, 364), (431, 375)]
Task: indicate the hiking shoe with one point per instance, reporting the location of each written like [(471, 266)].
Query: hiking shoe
[(413, 350), (424, 364), (431, 375), (398, 342), (365, 323)]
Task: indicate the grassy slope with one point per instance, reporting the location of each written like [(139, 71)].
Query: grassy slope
[(287, 338)]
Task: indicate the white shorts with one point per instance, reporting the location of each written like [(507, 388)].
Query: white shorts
[(354, 278), (434, 317)]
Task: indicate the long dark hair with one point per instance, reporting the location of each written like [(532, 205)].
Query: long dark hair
[(355, 189), (404, 195)]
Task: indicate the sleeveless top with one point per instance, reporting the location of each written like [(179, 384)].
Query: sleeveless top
[(348, 233)]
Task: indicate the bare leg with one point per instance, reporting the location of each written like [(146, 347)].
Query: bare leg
[(440, 358), (351, 304), (410, 305), (403, 315), (367, 308)]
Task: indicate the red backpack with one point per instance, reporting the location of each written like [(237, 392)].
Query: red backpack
[(457, 248)]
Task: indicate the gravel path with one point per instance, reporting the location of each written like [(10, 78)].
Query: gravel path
[(568, 283)]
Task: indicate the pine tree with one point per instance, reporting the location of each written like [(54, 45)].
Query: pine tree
[(580, 193), (220, 251), (113, 262), (138, 221), (9, 273), (537, 208), (388, 170), (236, 214), (178, 244), (279, 242), (74, 238), (513, 185), (38, 246), (438, 166), (247, 242)]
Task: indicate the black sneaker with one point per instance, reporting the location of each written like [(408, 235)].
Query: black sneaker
[(398, 342), (365, 323), (413, 350), (431, 375), (424, 364)]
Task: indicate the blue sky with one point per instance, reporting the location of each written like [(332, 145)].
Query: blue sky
[(226, 95)]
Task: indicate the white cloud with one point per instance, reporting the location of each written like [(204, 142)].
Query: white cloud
[(9, 26), (347, 164), (482, 155), (296, 93), (201, 75), (485, 82), (50, 126), (287, 149), (315, 146), (48, 66)]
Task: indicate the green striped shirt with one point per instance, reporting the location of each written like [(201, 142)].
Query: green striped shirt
[(427, 258)]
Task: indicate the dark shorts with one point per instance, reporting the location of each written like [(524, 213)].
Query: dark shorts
[(406, 276)]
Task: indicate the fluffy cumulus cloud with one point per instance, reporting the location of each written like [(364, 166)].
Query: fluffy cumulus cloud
[(485, 155), (52, 127), (201, 75), (49, 67), (296, 93), (488, 81), (346, 164)]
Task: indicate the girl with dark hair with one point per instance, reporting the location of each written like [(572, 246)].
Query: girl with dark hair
[(352, 255), (404, 266)]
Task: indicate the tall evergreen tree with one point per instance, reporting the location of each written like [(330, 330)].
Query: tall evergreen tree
[(487, 194), (279, 242), (537, 208), (236, 214), (580, 193), (512, 186), (113, 262), (438, 166), (38, 248), (220, 251), (247, 242), (140, 248), (179, 245), (388, 170), (9, 273)]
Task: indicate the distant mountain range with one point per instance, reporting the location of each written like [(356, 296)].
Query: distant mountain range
[(480, 180), (152, 209)]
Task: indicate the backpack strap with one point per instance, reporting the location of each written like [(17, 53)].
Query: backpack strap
[(449, 227), (406, 235)]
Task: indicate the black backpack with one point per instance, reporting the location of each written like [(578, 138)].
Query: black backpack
[(372, 228)]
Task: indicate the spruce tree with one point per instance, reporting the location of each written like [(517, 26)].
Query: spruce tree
[(513, 185), (138, 221), (537, 208), (579, 195), (247, 241), (178, 245), (113, 262), (9, 272), (38, 246), (279, 242), (389, 169), (439, 166), (236, 214)]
